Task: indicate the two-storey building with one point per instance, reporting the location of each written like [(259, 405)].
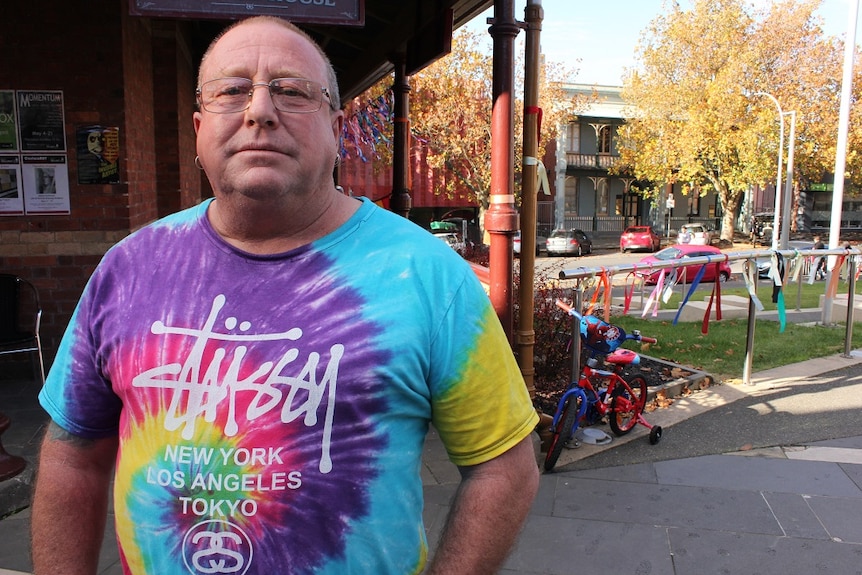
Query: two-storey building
[(590, 197)]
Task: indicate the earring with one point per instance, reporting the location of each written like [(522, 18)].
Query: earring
[(337, 160), (198, 164)]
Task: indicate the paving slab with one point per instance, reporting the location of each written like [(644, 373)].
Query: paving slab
[(702, 552), (795, 516), (759, 474), (823, 453), (665, 505), (562, 546), (840, 517), (854, 472), (638, 473)]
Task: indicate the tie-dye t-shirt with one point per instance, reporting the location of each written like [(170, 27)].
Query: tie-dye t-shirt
[(272, 409)]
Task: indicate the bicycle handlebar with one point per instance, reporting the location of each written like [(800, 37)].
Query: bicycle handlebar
[(567, 308), (635, 336)]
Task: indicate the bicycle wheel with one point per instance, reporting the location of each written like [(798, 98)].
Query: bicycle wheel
[(563, 431), (627, 404)]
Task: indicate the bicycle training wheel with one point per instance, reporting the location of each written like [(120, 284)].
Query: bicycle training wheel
[(563, 431), (627, 404)]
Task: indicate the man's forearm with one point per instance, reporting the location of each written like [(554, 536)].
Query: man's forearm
[(70, 503), (487, 514)]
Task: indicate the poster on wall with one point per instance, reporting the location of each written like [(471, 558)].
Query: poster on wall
[(98, 152), (11, 195), (40, 120), (46, 184), (8, 126)]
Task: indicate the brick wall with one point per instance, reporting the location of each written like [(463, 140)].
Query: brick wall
[(114, 70)]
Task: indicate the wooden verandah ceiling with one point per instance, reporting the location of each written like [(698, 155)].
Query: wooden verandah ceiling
[(418, 29)]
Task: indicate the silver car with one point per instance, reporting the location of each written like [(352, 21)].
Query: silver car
[(568, 243), (516, 246)]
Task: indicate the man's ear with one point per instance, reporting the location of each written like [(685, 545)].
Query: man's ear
[(338, 126)]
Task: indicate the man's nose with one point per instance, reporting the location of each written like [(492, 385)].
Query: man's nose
[(260, 106)]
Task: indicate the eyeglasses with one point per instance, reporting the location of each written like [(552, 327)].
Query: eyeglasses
[(230, 95)]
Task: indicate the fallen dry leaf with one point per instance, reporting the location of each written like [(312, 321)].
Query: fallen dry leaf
[(662, 400)]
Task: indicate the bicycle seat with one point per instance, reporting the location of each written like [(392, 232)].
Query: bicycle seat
[(623, 357)]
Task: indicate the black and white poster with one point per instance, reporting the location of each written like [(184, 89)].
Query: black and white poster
[(46, 184)]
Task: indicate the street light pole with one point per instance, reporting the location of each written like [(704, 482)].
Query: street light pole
[(776, 219), (788, 188)]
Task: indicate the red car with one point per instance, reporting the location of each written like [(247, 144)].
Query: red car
[(680, 253), (639, 238)]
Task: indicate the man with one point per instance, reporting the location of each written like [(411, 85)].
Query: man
[(263, 367), (820, 270)]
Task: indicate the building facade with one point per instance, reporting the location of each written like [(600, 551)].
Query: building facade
[(590, 197)]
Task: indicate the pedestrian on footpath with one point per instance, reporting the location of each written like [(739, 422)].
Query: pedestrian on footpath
[(820, 270), (258, 373)]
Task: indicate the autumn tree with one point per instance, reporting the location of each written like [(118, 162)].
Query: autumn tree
[(696, 115), (450, 116), (451, 113)]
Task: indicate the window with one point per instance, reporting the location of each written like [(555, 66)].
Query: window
[(604, 140), (602, 197), (571, 206), (573, 138)]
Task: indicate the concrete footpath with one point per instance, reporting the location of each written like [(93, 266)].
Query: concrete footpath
[(748, 479)]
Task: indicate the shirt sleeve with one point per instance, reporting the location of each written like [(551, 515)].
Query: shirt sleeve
[(480, 403), (76, 394)]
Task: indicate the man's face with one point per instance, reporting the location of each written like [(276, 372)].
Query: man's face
[(262, 151)]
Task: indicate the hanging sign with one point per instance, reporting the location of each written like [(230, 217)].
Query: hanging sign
[(341, 12)]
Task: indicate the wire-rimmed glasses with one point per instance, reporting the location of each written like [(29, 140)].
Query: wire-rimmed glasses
[(230, 95)]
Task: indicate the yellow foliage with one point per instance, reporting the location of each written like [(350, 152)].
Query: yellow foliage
[(694, 113)]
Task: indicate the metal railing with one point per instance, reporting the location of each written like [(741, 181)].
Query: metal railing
[(591, 161), (643, 270)]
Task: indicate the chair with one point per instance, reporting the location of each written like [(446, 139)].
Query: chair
[(20, 319)]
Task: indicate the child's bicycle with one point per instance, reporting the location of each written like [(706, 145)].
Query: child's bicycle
[(621, 399)]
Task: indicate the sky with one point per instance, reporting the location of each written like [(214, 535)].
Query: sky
[(603, 34)]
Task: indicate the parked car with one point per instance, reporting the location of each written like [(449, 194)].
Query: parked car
[(540, 243), (694, 234), (680, 253), (761, 229), (455, 241), (639, 238), (764, 263), (569, 242)]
